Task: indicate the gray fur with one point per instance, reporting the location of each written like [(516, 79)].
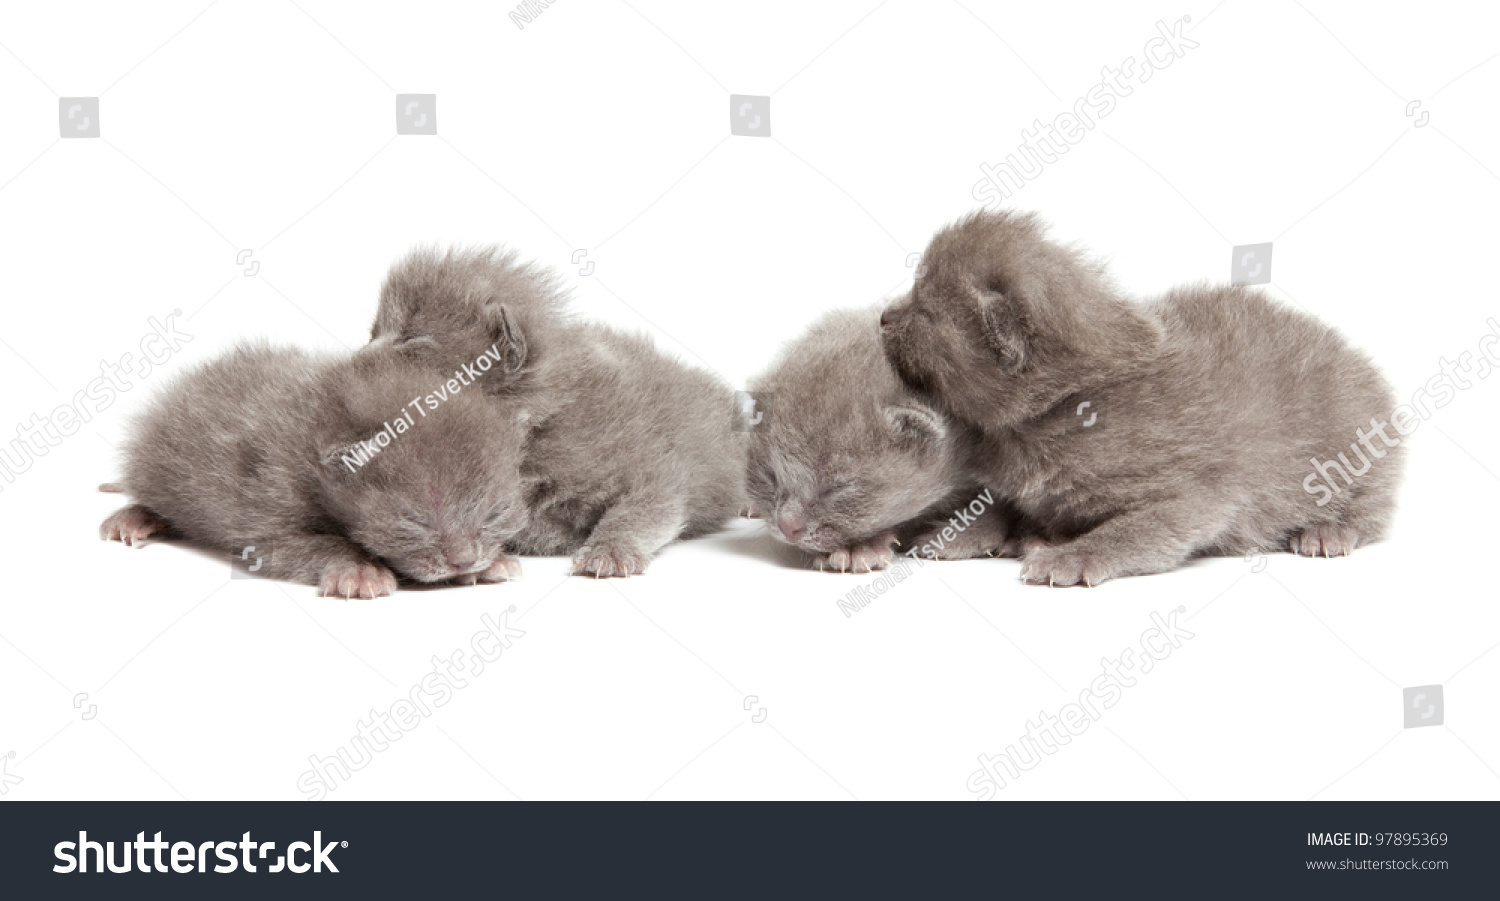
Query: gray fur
[(250, 447), (1213, 400), (628, 449), (849, 460), (447, 308)]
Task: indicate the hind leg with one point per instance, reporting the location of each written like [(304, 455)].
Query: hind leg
[(131, 525), (1364, 518)]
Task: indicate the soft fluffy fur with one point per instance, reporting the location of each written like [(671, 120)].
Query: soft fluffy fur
[(447, 308), (848, 459), (1213, 402), (628, 449), (248, 449)]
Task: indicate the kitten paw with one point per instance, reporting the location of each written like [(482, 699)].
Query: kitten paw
[(131, 525), (1325, 540), (505, 569), (356, 580), (1059, 568), (865, 557), (604, 563)]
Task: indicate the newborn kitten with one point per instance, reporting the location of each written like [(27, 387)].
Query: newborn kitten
[(265, 446), (848, 459), (1138, 435), (627, 448)]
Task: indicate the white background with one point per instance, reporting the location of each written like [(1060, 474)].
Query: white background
[(604, 126)]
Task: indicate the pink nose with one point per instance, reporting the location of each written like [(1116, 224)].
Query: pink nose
[(461, 562), (791, 526)]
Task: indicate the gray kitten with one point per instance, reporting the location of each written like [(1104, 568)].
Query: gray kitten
[(849, 461), (1138, 435), (627, 450), (283, 448)]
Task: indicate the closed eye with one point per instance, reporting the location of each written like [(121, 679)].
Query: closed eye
[(833, 489), (411, 342)]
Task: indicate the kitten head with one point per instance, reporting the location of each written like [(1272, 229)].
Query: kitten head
[(448, 309), (435, 496), (1003, 324), (846, 451)]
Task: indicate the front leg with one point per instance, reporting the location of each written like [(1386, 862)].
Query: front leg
[(627, 536), (864, 557), (987, 535), (336, 565), (1155, 538), (505, 569)]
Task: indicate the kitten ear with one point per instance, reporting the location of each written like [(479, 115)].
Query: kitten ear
[(509, 341), (915, 424), (1000, 333)]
